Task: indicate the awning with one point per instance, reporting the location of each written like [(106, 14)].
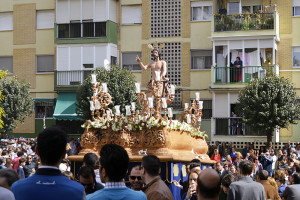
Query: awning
[(66, 106)]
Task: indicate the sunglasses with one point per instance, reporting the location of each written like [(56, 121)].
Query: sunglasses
[(136, 177)]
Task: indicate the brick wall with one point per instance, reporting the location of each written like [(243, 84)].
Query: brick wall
[(186, 18), (24, 24), (24, 65), (146, 52), (185, 64), (285, 53), (146, 9)]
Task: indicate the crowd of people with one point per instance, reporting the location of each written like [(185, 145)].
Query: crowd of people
[(39, 169)]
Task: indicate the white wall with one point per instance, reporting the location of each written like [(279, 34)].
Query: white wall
[(97, 10), (72, 57)]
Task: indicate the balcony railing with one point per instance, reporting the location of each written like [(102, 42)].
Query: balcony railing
[(234, 126), (243, 22), (227, 75), (71, 78), (81, 30)]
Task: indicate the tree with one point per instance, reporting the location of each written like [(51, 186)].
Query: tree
[(269, 103), (17, 102), (120, 83), (2, 75)]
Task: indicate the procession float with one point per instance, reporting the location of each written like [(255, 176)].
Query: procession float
[(148, 130)]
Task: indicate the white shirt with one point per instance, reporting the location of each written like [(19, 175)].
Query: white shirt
[(274, 161)]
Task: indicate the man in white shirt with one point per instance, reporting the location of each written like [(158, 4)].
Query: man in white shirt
[(274, 157)]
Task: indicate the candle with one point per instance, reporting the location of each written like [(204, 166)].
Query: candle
[(200, 104), (127, 108), (150, 102), (157, 75), (117, 108), (138, 87), (94, 78), (104, 87), (200, 119), (164, 102), (95, 93), (133, 106), (172, 89), (92, 108), (97, 105), (170, 113), (186, 106), (188, 118), (107, 114), (197, 96)]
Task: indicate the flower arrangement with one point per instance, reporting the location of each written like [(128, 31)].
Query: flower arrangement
[(142, 123)]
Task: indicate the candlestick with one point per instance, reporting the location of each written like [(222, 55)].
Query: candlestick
[(164, 102), (94, 78), (117, 108), (197, 96), (92, 108), (97, 105), (128, 112), (157, 75), (138, 87), (104, 87), (186, 106), (188, 118), (200, 104), (150, 102), (172, 89), (133, 106), (170, 112)]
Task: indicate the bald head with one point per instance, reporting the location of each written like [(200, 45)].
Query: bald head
[(209, 184)]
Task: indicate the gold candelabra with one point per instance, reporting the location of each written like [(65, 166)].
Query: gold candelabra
[(192, 114)]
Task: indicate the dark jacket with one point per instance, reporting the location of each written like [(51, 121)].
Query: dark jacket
[(28, 168)]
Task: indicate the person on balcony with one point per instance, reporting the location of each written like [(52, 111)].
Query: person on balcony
[(238, 64)]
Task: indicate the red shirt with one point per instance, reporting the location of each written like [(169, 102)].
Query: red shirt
[(216, 158)]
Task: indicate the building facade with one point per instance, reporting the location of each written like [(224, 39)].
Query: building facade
[(202, 40)]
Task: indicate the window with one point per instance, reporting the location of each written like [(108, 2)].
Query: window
[(88, 29), (201, 11), (44, 19), (132, 14), (6, 63), (233, 8), (44, 108), (6, 21), (201, 59), (129, 62), (113, 60), (296, 56), (45, 63), (296, 7), (251, 9)]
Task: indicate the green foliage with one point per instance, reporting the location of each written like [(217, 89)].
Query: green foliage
[(2, 75), (17, 102), (120, 83), (269, 102)]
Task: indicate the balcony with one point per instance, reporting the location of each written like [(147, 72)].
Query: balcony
[(70, 80), (235, 76), (234, 126), (246, 24)]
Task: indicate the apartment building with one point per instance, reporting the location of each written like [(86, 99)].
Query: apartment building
[(203, 39), (27, 50)]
